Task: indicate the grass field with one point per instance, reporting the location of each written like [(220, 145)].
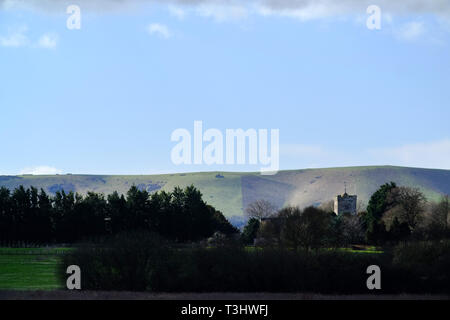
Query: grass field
[(36, 269), (29, 269)]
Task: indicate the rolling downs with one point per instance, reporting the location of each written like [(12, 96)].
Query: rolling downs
[(231, 192)]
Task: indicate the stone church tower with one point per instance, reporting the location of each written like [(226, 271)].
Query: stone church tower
[(345, 203)]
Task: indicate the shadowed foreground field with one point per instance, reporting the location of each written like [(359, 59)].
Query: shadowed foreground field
[(37, 268), (114, 295), (29, 269), (33, 274)]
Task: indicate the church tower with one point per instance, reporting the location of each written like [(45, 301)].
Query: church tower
[(345, 203)]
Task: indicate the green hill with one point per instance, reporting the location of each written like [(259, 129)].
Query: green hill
[(232, 192)]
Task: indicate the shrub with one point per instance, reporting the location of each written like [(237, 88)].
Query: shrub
[(143, 261), (124, 262), (428, 261), (236, 269)]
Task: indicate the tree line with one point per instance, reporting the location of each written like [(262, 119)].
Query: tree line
[(153, 264), (33, 216), (394, 214), (397, 213)]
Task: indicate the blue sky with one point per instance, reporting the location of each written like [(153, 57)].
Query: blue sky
[(105, 99)]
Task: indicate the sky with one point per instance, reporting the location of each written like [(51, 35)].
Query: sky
[(106, 98)]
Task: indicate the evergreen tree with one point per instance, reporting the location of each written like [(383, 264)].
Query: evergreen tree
[(379, 203), (250, 231)]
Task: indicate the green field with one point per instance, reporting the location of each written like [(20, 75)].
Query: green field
[(36, 269), (29, 269)]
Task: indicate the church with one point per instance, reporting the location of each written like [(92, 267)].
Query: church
[(345, 203)]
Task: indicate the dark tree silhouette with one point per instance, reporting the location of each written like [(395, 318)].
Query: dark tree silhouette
[(32, 216)]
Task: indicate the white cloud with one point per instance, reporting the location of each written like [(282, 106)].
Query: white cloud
[(41, 170), (177, 12), (436, 11), (222, 13), (299, 8), (15, 38), (434, 154), (310, 11), (159, 30), (48, 41), (324, 8), (410, 31), (60, 5)]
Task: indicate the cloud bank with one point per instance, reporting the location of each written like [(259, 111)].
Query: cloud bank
[(302, 9), (17, 37), (408, 27)]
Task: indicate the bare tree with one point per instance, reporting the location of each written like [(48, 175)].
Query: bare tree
[(289, 229), (260, 209), (306, 229), (412, 205), (352, 229), (440, 214), (270, 231)]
